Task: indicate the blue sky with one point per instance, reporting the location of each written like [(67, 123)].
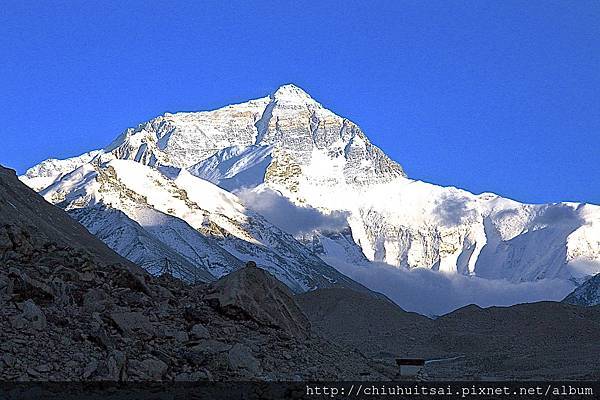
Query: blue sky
[(498, 96)]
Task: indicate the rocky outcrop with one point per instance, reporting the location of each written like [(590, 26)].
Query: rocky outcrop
[(588, 294), (254, 294)]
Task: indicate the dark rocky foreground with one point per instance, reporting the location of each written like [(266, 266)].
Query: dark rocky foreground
[(65, 318)]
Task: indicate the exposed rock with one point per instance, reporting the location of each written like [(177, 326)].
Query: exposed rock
[(24, 287), (211, 347), (199, 331), (128, 322), (240, 357), (90, 368), (94, 300), (72, 314), (99, 335), (9, 360), (587, 294), (252, 293), (28, 222), (149, 369), (135, 279), (177, 335), (117, 363), (31, 317)]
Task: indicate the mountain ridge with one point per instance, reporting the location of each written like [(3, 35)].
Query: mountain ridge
[(290, 144), (196, 220)]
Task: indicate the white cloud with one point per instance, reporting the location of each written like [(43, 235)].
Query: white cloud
[(293, 219), (436, 293)]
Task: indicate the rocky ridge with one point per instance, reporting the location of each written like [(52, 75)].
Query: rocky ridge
[(205, 232), (65, 318)]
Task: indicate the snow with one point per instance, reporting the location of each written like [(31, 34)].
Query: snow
[(203, 229), (588, 294), (235, 166), (290, 144), (45, 173)]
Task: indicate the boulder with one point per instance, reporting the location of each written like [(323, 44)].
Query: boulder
[(150, 369), (26, 287), (116, 364), (210, 347), (94, 300), (199, 331), (240, 357), (30, 317), (179, 336), (253, 294), (130, 322)]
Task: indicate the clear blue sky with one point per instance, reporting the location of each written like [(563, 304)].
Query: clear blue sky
[(499, 96)]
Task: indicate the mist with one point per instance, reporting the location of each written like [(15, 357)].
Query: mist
[(293, 219), (434, 293)]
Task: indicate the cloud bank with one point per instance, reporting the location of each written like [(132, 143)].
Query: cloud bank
[(435, 293), (286, 215)]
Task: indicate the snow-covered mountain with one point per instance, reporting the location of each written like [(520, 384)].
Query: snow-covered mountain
[(43, 174), (289, 144), (182, 223)]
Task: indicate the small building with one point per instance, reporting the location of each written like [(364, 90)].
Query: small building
[(410, 366)]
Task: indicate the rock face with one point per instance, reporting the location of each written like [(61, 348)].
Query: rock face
[(68, 314), (588, 294), (287, 127), (254, 294), (165, 332)]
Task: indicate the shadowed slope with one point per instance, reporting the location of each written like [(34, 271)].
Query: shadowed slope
[(22, 208)]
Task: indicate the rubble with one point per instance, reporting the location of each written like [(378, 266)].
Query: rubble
[(68, 318)]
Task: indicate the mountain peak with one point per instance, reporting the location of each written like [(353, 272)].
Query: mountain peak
[(291, 92)]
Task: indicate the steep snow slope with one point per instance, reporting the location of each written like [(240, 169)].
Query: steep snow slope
[(27, 219), (43, 174), (201, 223), (235, 167), (289, 143), (143, 246)]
